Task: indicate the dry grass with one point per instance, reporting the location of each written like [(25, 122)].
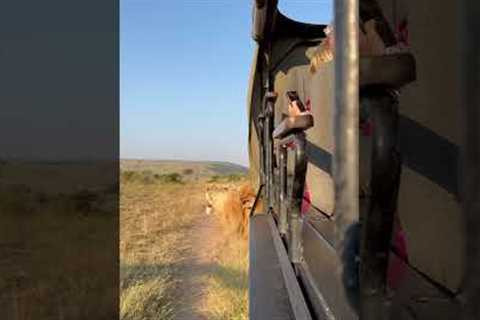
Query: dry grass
[(54, 255), (153, 221), (60, 248), (155, 244), (227, 286)]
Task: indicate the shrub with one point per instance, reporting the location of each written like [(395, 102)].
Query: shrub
[(148, 177), (171, 178), (227, 178), (84, 200), (129, 176), (187, 171)]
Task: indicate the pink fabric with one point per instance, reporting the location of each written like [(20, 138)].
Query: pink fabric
[(366, 128), (402, 32), (306, 201), (308, 105)]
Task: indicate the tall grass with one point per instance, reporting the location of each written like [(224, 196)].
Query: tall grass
[(153, 220), (145, 292), (227, 286), (156, 221), (53, 252)]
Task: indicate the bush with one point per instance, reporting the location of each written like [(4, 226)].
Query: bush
[(227, 178), (84, 200), (188, 171), (171, 178), (128, 176), (148, 177)]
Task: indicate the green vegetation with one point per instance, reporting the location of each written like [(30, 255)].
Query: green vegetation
[(237, 177), (149, 177), (190, 170)]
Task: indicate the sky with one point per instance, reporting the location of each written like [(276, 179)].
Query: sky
[(184, 69)]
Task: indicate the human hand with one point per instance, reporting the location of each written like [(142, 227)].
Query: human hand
[(294, 110)]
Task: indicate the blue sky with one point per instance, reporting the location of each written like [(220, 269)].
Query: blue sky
[(184, 68)]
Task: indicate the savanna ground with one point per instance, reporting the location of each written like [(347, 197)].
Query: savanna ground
[(57, 241), (176, 261)]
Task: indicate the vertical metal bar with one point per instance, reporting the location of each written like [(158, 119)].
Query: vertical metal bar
[(268, 157), (377, 224), (255, 202), (470, 79), (266, 154), (270, 98), (345, 156), (295, 201), (276, 182), (345, 132), (283, 190), (261, 124)]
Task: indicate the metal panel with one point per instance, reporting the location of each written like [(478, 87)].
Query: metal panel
[(418, 298), (470, 45), (268, 297), (328, 273), (273, 288)]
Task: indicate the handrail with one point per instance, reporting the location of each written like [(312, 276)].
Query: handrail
[(291, 221), (377, 224), (291, 125), (393, 70), (269, 107), (345, 156)]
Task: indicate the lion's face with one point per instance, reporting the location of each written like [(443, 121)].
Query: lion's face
[(215, 195), (231, 203)]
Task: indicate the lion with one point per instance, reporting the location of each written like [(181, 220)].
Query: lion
[(215, 197), (232, 204)]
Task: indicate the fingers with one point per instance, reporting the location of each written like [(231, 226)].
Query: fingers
[(293, 109), (370, 41)]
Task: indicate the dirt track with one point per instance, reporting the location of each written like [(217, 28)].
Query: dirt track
[(200, 259), (178, 262)]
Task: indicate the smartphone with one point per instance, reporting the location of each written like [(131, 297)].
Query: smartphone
[(293, 96)]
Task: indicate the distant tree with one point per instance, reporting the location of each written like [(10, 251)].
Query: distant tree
[(187, 171)]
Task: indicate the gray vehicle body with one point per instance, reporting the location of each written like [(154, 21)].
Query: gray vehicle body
[(428, 136)]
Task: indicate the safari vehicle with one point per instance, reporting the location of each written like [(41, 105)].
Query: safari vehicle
[(393, 228)]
